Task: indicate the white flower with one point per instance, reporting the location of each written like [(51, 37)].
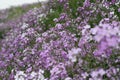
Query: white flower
[(85, 75), (41, 71), (94, 74), (112, 12), (73, 54), (42, 15), (40, 75), (24, 26), (33, 74), (94, 30), (85, 29), (30, 31), (37, 75), (101, 72), (68, 78), (87, 26), (76, 50), (23, 35), (20, 75)]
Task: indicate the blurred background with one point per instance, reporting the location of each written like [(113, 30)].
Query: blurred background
[(8, 3), (10, 10)]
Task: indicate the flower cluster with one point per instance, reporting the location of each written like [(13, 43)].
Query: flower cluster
[(20, 75), (107, 34), (64, 40)]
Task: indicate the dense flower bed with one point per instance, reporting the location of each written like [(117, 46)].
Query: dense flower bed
[(64, 40)]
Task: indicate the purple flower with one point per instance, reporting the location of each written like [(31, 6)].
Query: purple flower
[(118, 9), (87, 3), (58, 71)]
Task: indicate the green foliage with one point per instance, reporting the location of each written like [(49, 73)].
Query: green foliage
[(15, 12), (9, 68), (1, 34), (74, 5), (93, 1), (47, 74), (55, 13), (116, 11), (48, 21), (95, 21), (92, 62)]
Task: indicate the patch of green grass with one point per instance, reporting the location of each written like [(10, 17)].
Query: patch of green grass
[(47, 74), (1, 34), (15, 12)]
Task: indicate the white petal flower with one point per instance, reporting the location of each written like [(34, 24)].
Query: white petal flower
[(94, 74), (40, 75), (73, 54), (87, 26), (33, 74), (101, 72), (20, 75), (24, 26), (68, 78)]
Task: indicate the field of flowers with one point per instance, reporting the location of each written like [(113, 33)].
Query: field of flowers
[(64, 40)]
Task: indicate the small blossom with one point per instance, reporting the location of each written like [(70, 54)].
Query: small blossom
[(20, 75), (68, 78), (73, 54)]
